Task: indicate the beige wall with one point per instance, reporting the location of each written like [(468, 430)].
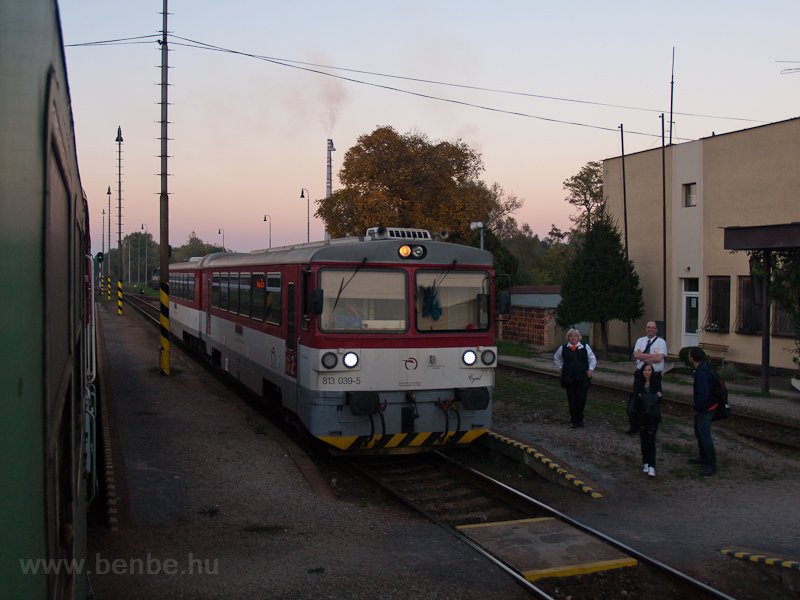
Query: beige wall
[(744, 178)]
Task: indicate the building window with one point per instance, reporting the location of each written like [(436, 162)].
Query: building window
[(748, 318), (690, 194), (782, 322), (718, 313)]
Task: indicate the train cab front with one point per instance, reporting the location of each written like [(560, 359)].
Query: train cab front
[(400, 400)]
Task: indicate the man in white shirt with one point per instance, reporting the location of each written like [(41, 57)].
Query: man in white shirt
[(649, 349)]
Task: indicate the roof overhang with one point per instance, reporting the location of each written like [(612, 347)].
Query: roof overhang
[(763, 237)]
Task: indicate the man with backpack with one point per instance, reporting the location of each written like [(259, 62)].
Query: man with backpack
[(703, 412)]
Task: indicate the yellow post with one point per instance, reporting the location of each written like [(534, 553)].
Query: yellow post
[(119, 297), (164, 327)]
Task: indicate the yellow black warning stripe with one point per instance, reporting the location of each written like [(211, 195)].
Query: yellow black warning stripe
[(403, 440), (561, 471), (164, 327), (763, 559)]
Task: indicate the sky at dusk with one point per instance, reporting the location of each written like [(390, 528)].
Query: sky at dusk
[(247, 134)]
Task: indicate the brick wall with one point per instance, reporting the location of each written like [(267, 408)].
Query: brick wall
[(530, 325)]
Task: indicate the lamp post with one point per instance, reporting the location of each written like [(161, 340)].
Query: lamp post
[(267, 217), (308, 209), (222, 231), (477, 225), (146, 239)]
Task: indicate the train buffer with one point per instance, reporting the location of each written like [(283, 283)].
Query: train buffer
[(544, 547)]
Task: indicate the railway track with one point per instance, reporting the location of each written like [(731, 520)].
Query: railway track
[(764, 430), (549, 554)]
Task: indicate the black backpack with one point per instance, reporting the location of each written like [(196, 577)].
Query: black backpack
[(719, 398)]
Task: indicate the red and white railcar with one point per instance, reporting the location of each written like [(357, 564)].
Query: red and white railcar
[(377, 343)]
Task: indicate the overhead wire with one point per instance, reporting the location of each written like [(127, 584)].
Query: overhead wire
[(212, 47), (306, 66), (497, 90)]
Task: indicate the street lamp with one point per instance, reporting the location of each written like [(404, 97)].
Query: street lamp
[(477, 225), (270, 228), (222, 231), (146, 238), (308, 209)]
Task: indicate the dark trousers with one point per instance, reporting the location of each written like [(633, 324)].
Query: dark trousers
[(647, 440), (576, 396), (633, 422), (705, 445)]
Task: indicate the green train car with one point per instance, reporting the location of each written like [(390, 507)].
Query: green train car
[(47, 350)]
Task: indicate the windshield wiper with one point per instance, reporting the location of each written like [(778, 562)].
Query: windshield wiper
[(343, 284)]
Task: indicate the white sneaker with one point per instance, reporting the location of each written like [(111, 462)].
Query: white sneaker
[(651, 471), (645, 467)]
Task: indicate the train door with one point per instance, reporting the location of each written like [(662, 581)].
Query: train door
[(291, 331), (207, 301)]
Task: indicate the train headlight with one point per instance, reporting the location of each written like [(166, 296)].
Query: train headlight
[(350, 359), (412, 251), (329, 360), (469, 357), (488, 357)]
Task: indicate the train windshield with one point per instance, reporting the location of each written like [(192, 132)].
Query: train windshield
[(450, 300), (364, 300)]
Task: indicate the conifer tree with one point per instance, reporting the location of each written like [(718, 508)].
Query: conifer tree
[(600, 285)]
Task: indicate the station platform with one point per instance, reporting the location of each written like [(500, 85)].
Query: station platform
[(212, 501)]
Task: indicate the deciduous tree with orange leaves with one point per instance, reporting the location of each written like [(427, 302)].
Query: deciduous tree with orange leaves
[(408, 181)]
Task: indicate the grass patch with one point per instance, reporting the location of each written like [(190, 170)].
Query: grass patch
[(507, 348)]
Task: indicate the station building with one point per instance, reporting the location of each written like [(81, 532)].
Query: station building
[(699, 291)]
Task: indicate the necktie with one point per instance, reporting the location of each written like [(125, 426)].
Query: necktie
[(573, 348), (649, 343)]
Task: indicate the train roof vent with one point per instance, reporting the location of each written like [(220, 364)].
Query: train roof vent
[(397, 233)]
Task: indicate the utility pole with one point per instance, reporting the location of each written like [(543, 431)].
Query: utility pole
[(164, 206), (102, 250), (108, 265), (119, 221)]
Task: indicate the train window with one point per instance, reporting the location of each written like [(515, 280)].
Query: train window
[(224, 291), (258, 288), (244, 294), (449, 300), (364, 300), (190, 291), (274, 298), (233, 287), (215, 290)]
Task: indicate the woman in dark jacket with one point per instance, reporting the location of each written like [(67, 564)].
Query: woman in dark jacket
[(576, 361), (647, 402)]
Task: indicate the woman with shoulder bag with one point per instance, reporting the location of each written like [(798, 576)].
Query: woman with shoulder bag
[(647, 402)]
